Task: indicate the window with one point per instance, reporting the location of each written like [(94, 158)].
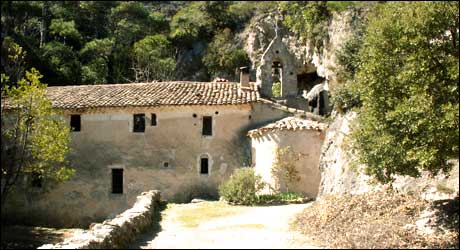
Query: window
[(75, 122), (204, 169), (117, 181), (207, 125), (139, 123), (154, 119)]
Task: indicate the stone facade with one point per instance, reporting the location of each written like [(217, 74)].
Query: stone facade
[(165, 157), (305, 140)]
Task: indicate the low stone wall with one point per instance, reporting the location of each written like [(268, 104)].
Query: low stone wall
[(117, 232)]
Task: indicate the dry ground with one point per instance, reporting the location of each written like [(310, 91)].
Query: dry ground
[(24, 237), (382, 219), (217, 225)]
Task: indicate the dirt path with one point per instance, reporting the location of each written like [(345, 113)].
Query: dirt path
[(200, 225)]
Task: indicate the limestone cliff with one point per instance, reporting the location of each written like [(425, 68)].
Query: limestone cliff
[(261, 30), (339, 175)]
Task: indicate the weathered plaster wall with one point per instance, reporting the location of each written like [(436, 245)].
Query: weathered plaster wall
[(106, 141), (306, 142)]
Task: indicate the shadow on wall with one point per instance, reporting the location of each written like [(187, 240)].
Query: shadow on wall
[(196, 189)]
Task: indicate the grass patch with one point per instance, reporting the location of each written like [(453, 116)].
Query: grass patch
[(204, 211)]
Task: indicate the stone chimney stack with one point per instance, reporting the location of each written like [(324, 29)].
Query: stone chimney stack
[(244, 77)]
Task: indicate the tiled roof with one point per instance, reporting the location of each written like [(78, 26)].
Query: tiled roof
[(150, 94), (288, 123)]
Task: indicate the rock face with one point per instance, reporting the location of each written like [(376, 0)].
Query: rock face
[(339, 176), (115, 233), (262, 30)]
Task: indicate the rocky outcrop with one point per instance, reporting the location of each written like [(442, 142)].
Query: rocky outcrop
[(261, 31), (117, 232), (339, 175)]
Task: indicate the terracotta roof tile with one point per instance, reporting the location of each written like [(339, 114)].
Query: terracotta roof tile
[(289, 123), (149, 94)]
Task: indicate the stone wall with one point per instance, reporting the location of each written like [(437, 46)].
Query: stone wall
[(117, 232)]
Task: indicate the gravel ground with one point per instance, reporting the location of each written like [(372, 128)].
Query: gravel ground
[(251, 227)]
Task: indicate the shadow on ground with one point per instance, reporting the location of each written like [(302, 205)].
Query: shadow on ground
[(23, 237)]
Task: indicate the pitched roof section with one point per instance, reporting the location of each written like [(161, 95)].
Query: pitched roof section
[(288, 123), (150, 94)]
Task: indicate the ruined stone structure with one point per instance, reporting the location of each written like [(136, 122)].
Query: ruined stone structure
[(304, 137), (276, 64)]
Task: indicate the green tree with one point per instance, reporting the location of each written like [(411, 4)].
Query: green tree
[(34, 137), (309, 19), (154, 59), (63, 63), (223, 57), (408, 82), (95, 56)]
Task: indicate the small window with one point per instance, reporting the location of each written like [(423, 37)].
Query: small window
[(204, 169), (117, 181), (154, 119), (165, 164), (36, 180), (75, 122), (207, 125), (139, 123)]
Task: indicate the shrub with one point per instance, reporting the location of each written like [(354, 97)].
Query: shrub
[(242, 187), (345, 97)]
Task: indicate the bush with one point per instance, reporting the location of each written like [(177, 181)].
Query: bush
[(345, 97), (242, 187)]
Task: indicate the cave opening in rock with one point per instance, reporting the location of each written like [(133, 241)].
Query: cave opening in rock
[(307, 80)]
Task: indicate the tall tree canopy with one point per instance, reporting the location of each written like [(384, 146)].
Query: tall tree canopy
[(408, 82)]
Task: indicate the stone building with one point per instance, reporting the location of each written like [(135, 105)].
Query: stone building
[(183, 138), (304, 138)]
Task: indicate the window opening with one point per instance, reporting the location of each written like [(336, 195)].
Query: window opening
[(139, 123), (117, 181), (75, 122), (207, 125)]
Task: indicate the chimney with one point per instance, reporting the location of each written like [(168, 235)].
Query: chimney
[(244, 77)]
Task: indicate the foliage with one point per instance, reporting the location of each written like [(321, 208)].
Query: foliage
[(64, 30), (242, 187), (34, 137), (276, 89), (189, 22), (13, 60), (309, 19), (154, 59), (95, 56), (284, 167), (278, 198), (223, 57), (345, 97), (62, 62), (408, 76)]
